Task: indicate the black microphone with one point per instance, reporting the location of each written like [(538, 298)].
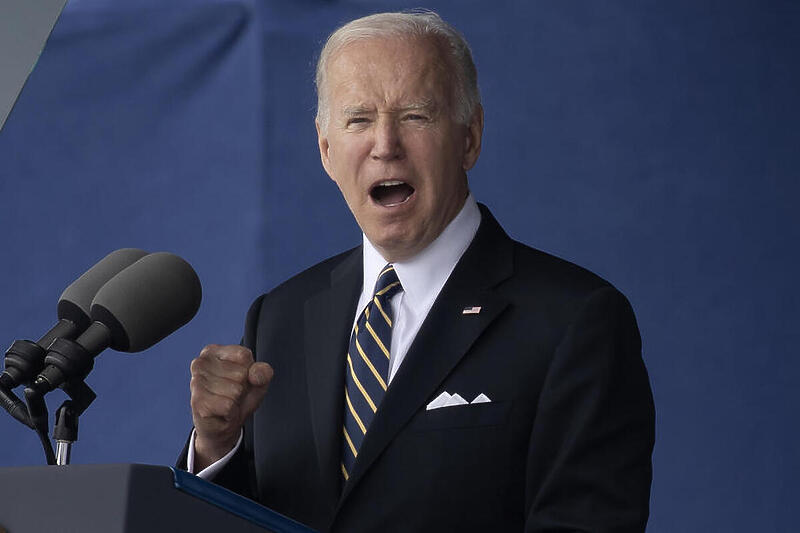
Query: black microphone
[(76, 300), (24, 359), (135, 309)]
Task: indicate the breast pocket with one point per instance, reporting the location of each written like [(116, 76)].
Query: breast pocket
[(462, 416)]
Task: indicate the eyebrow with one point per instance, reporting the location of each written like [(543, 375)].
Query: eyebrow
[(353, 110), (356, 110), (424, 105)]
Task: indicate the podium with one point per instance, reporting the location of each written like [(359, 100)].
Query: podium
[(127, 498)]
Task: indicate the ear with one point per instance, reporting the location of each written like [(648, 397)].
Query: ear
[(324, 149), (472, 140)]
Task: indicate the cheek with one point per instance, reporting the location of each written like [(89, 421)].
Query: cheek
[(344, 169), (348, 156), (440, 167)]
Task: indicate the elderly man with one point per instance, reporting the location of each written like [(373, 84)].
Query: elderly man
[(440, 377)]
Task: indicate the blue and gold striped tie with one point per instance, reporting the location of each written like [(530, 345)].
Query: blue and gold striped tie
[(367, 367)]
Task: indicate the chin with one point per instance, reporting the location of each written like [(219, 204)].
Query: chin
[(394, 248)]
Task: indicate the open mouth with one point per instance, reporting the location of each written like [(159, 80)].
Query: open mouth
[(391, 193)]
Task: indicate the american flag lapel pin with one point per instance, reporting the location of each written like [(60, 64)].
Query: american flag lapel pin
[(474, 310)]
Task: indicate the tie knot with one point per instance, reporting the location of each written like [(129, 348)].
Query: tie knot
[(388, 284)]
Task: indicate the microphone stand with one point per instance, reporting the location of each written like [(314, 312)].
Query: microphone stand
[(23, 360), (66, 365), (65, 431)]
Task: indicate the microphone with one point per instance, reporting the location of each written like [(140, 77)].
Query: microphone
[(24, 359), (76, 300), (134, 310)]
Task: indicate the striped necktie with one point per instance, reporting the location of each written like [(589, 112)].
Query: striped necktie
[(367, 367)]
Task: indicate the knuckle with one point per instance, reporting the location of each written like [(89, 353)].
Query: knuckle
[(196, 366), (239, 374), (208, 350), (247, 353), (237, 390), (241, 355), (199, 408), (197, 385)]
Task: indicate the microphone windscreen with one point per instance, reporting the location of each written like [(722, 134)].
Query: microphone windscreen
[(147, 301), (76, 300)]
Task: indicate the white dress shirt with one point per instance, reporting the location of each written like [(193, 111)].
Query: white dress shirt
[(422, 278)]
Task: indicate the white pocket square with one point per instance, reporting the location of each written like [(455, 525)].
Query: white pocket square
[(446, 399), (481, 398)]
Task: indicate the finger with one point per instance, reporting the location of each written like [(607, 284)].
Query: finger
[(207, 406), (213, 368), (260, 374), (233, 353), (205, 403), (209, 422), (235, 390)]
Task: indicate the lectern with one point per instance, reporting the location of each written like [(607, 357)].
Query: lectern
[(127, 499)]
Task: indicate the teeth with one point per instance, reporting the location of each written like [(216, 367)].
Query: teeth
[(389, 183), (398, 203)]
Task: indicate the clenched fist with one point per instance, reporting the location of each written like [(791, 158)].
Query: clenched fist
[(227, 386)]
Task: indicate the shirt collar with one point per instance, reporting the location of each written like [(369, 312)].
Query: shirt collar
[(424, 275)]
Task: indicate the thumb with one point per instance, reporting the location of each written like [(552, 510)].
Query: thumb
[(259, 376)]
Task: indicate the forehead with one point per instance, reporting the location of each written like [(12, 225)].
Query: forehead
[(388, 71)]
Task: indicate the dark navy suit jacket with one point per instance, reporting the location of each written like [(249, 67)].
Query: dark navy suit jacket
[(564, 445)]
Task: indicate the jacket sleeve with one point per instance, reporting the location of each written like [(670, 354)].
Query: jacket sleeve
[(589, 458)]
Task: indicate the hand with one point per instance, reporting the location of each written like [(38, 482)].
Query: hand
[(227, 387)]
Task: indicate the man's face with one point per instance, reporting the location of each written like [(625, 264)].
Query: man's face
[(392, 145)]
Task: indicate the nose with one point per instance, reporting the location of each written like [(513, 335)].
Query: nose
[(387, 144)]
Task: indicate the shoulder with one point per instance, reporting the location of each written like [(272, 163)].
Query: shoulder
[(560, 275), (564, 289), (564, 295), (528, 270), (540, 285)]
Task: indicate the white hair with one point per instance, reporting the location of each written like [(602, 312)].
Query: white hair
[(415, 24)]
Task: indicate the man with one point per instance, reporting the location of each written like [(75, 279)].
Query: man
[(480, 386)]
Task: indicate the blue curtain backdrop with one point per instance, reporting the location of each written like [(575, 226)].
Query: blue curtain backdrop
[(653, 142)]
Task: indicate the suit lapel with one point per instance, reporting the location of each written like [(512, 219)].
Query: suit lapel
[(444, 338), (328, 321)]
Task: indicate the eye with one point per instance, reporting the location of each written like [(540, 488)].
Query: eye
[(357, 120), (415, 116)]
